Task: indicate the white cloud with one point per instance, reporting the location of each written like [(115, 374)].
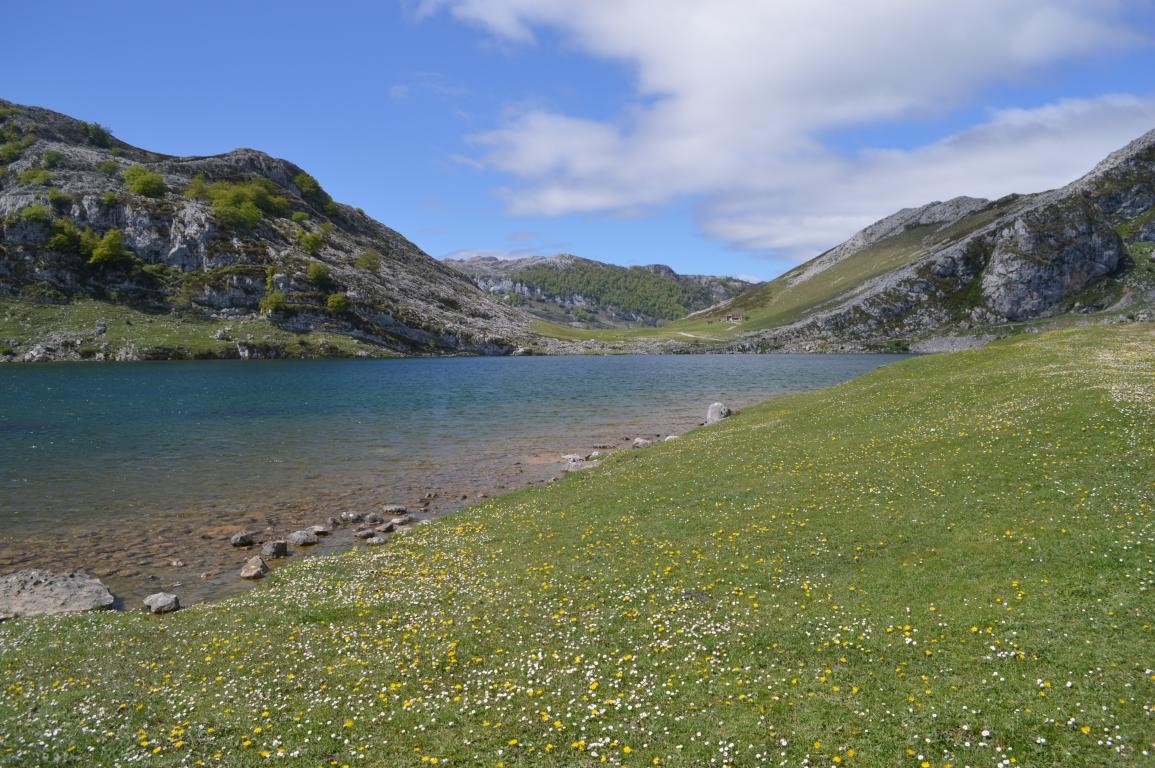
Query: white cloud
[(1016, 150), (734, 97)]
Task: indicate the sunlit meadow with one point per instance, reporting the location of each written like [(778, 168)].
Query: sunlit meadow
[(947, 562)]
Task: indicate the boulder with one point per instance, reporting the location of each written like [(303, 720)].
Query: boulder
[(351, 517), (274, 549), (376, 541), (641, 442), (716, 412), (162, 602), (303, 538), (321, 529), (33, 592), (402, 520), (254, 568), (364, 533), (388, 527), (394, 509), (242, 539)]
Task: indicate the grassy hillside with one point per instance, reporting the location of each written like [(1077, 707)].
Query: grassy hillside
[(949, 561)]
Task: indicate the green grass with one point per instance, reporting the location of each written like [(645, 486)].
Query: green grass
[(159, 335), (946, 562)]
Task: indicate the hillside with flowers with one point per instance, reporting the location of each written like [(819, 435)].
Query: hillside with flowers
[(947, 562)]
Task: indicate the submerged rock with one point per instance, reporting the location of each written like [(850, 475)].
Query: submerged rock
[(273, 549), (33, 592), (303, 538), (242, 539)]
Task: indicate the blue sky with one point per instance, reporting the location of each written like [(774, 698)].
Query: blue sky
[(730, 137)]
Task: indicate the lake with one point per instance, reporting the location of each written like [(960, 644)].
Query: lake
[(139, 472)]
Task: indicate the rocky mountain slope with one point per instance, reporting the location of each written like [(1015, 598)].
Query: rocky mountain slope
[(572, 290), (206, 245), (972, 267)]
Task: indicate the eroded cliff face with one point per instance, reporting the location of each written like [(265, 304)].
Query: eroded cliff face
[(227, 236), (1044, 256)]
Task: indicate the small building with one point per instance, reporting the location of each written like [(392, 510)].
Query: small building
[(735, 318)]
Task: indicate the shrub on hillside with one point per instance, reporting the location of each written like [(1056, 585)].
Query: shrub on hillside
[(369, 260), (110, 249), (34, 177), (274, 301), (239, 205), (311, 242), (312, 192), (98, 134), (318, 273), (37, 213), (60, 200), (141, 181)]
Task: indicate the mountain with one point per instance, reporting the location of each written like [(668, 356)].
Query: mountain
[(922, 277), (572, 290), (110, 251)]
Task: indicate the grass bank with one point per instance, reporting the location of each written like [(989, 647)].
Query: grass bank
[(946, 562)]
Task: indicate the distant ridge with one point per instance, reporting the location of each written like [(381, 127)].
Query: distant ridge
[(572, 290)]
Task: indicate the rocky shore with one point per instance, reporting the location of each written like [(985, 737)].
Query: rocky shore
[(163, 567)]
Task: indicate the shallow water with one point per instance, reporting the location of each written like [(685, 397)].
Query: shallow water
[(139, 473)]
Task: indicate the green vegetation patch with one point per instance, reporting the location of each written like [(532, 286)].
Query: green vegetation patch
[(628, 290), (35, 177), (368, 260), (111, 249), (314, 194), (142, 181), (240, 205), (946, 562)]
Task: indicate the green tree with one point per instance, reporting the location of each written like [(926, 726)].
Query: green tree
[(110, 249)]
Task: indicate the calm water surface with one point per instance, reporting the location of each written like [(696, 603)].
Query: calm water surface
[(139, 472)]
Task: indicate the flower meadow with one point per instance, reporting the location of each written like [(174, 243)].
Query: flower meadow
[(947, 562)]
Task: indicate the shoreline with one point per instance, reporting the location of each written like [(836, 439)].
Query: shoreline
[(197, 563)]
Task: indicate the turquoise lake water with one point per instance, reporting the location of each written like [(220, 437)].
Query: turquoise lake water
[(125, 469)]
